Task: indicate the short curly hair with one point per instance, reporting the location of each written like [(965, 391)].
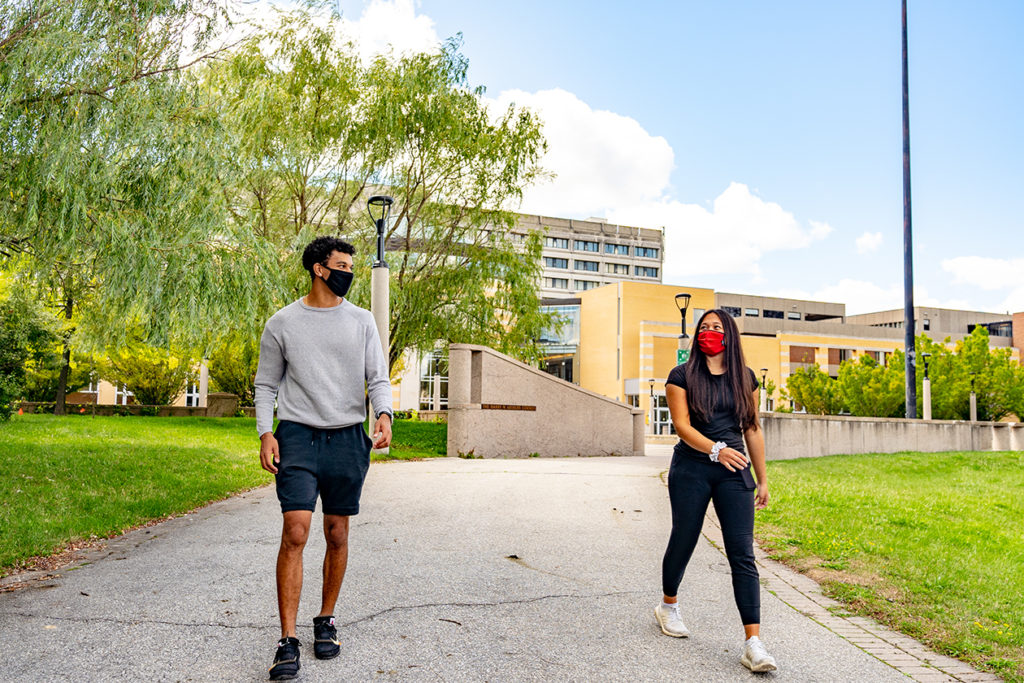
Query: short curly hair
[(320, 249)]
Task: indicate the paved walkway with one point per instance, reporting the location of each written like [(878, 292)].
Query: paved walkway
[(526, 570)]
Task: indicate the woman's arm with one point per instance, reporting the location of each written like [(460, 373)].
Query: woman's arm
[(680, 411), (755, 444)]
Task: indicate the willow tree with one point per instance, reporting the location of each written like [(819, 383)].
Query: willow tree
[(318, 133), (108, 169)]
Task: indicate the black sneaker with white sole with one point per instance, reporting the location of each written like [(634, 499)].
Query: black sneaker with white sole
[(286, 661), (325, 638)]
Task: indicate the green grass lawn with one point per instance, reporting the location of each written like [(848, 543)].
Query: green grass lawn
[(65, 479), (931, 544)]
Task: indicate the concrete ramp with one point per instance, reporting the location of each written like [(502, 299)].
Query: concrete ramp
[(499, 407)]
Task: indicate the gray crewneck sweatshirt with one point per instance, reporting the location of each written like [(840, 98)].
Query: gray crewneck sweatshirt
[(318, 363)]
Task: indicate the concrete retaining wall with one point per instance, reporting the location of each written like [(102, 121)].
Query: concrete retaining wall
[(501, 408), (801, 436)]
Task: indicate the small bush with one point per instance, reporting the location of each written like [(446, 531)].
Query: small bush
[(233, 366), (155, 376)]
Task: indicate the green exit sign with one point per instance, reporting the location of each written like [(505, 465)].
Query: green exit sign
[(682, 355)]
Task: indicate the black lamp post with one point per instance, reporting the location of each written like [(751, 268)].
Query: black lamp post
[(380, 205), (683, 353), (764, 389), (651, 381)]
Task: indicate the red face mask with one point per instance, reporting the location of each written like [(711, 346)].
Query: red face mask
[(711, 342)]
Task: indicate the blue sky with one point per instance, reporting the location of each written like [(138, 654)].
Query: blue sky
[(765, 137)]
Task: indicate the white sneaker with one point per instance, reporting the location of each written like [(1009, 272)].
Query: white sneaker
[(670, 622), (756, 658)]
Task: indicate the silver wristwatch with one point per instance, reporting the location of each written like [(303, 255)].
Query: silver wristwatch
[(716, 449)]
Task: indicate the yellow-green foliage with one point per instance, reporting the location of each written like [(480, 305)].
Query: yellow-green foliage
[(155, 376)]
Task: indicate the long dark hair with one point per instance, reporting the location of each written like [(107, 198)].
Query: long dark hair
[(701, 396)]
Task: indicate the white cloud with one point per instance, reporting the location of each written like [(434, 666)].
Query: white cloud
[(730, 237), (391, 26), (601, 160), (990, 274), (383, 26), (819, 230), (868, 242)]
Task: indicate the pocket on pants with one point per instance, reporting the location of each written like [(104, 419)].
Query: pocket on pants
[(748, 478)]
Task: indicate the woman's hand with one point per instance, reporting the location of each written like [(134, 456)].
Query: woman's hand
[(732, 459), (761, 498)]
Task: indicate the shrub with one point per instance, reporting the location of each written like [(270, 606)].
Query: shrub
[(155, 376), (233, 365), (813, 389)]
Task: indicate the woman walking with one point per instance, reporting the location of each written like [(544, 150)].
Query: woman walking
[(713, 402)]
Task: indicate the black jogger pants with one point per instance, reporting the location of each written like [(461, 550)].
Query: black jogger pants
[(692, 483)]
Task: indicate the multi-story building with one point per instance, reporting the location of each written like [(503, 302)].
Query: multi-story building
[(581, 255), (938, 323)]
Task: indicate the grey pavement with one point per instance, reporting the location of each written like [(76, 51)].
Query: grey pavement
[(475, 570)]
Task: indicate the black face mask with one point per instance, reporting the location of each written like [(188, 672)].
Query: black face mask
[(338, 281)]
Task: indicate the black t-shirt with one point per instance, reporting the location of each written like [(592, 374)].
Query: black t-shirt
[(723, 425)]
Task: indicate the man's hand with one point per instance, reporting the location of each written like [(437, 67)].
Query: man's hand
[(270, 454), (382, 431)]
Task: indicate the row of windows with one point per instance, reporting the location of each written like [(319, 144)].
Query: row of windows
[(595, 247), (737, 312), (594, 267), (563, 283)]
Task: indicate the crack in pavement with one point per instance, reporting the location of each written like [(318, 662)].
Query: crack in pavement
[(369, 617), (500, 603)]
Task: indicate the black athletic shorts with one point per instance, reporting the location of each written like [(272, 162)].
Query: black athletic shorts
[(328, 462)]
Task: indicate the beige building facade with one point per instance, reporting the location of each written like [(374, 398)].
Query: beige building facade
[(580, 255)]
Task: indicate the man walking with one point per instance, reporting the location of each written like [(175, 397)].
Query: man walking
[(319, 356)]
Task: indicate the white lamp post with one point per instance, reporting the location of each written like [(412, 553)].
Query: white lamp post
[(379, 207), (926, 389)]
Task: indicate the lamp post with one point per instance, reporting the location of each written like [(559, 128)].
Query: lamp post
[(682, 353), (926, 389), (974, 400), (910, 366), (652, 404), (764, 390), (379, 208)]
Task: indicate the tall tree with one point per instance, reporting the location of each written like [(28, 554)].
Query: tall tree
[(995, 376), (107, 199), (319, 133)]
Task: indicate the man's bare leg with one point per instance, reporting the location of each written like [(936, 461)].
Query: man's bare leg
[(294, 532), (335, 560)]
